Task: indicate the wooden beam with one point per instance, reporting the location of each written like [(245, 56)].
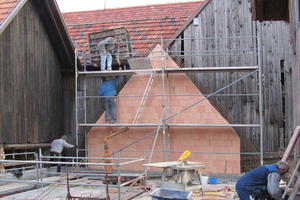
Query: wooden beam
[(26, 146), (291, 145)]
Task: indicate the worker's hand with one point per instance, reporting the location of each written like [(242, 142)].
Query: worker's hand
[(75, 146), (120, 68), (118, 61), (104, 52)]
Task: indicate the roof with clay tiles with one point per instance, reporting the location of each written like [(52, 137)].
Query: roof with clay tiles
[(6, 7), (149, 22), (51, 16)]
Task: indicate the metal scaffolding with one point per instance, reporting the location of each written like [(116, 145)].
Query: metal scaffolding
[(165, 54)]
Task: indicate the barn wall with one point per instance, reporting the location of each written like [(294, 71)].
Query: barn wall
[(31, 83), (295, 46), (277, 60), (227, 19), (296, 67)]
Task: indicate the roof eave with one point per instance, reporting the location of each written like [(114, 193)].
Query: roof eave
[(57, 32), (12, 15), (183, 27)]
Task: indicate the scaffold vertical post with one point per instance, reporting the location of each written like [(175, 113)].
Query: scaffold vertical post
[(119, 175), (163, 98), (76, 108), (168, 101), (260, 99)]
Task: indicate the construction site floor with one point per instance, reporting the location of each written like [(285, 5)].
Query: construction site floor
[(59, 192)]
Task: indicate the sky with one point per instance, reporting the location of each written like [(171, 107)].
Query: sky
[(80, 5)]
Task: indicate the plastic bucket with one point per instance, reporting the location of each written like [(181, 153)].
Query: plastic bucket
[(213, 181), (204, 180), (226, 195)]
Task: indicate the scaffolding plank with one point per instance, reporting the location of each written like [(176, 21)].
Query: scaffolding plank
[(171, 70)]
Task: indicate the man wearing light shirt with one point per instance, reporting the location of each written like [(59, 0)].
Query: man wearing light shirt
[(56, 148), (107, 47)]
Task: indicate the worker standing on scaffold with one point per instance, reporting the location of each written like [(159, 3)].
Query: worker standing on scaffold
[(107, 47), (108, 90)]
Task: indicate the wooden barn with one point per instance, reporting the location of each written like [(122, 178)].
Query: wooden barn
[(39, 83), (36, 73), (294, 36), (228, 26), (227, 21)]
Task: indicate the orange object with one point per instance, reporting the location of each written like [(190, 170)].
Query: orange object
[(106, 149)]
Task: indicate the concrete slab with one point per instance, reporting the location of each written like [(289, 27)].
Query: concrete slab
[(15, 187), (60, 191)]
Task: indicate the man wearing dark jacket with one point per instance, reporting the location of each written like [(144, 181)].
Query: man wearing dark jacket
[(262, 182), (108, 90)]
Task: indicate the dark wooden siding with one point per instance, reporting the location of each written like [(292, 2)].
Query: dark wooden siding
[(68, 108), (227, 19), (295, 38), (31, 83)]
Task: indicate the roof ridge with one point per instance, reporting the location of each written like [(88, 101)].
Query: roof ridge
[(113, 21), (150, 5)]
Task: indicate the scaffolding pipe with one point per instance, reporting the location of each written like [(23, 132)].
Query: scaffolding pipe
[(85, 99), (174, 95), (131, 143), (119, 175), (37, 170), (212, 94), (171, 70), (187, 125), (40, 166), (76, 108), (91, 158), (163, 98), (56, 183), (165, 40), (133, 161), (47, 162), (85, 142), (200, 152), (160, 121), (260, 101), (168, 104), (163, 120)]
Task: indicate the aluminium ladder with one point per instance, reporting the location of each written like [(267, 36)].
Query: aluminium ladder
[(142, 103)]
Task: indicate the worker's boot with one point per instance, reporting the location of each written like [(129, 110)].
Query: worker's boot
[(58, 168)]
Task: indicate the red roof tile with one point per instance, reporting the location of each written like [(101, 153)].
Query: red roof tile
[(143, 22), (6, 7)]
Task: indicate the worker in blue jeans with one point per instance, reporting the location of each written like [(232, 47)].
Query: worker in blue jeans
[(262, 182), (108, 90), (107, 47)]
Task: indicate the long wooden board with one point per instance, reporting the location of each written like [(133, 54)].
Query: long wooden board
[(171, 163)]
